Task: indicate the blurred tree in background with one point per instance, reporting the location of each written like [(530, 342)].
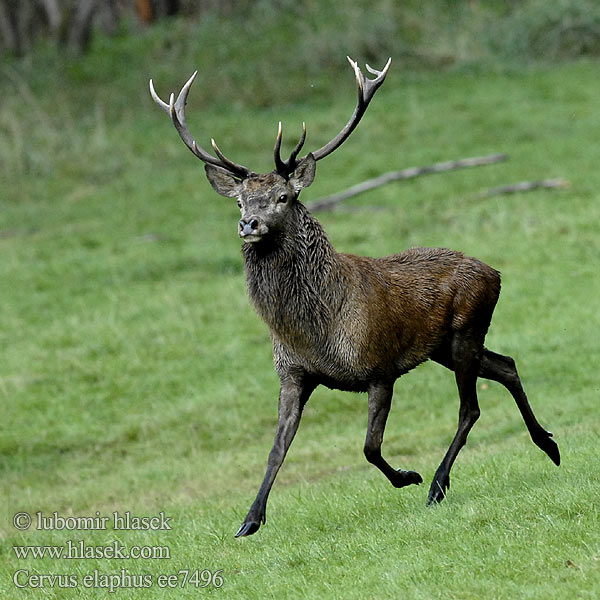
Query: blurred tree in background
[(71, 22), (68, 21), (526, 29)]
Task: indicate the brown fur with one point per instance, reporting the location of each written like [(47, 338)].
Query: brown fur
[(346, 319)]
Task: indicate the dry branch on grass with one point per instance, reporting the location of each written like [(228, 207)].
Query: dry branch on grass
[(525, 186), (477, 161)]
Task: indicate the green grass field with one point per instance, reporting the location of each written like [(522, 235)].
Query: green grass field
[(136, 377)]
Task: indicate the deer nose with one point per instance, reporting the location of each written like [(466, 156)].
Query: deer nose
[(248, 226)]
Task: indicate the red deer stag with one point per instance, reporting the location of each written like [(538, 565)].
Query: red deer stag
[(350, 322)]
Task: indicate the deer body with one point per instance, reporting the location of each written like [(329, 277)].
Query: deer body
[(351, 322), (348, 320)]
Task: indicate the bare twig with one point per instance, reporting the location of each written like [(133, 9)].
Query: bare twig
[(330, 201), (525, 186)]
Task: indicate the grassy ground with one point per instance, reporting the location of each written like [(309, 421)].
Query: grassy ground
[(136, 377)]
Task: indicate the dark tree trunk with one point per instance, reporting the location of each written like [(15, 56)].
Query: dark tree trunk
[(8, 26), (80, 27), (53, 15)]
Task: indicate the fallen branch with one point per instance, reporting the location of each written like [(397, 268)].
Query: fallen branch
[(477, 161), (525, 186)]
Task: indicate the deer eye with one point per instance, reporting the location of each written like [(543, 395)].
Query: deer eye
[(239, 204), (282, 198)]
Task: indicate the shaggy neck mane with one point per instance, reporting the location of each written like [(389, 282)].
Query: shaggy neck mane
[(288, 277)]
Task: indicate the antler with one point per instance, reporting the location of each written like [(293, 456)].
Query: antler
[(366, 91), (176, 110)]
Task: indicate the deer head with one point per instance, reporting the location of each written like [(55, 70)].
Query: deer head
[(265, 201)]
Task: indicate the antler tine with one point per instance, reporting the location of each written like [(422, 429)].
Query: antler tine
[(176, 110), (156, 98), (285, 167), (299, 145), (373, 84), (235, 168), (280, 166), (366, 90)]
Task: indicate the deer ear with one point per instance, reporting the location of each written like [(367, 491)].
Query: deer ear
[(223, 181), (304, 173)]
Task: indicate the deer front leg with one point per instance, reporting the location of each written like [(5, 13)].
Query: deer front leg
[(293, 396), (380, 400)]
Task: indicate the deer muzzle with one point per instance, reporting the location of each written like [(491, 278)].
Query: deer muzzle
[(251, 229)]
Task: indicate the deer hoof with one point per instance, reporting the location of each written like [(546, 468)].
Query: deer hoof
[(404, 478), (247, 528), (438, 490), (549, 446)]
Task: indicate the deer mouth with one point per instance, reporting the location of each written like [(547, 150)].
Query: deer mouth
[(251, 238)]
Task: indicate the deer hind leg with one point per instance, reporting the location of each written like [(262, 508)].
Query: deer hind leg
[(463, 358), (503, 370), (380, 400)]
